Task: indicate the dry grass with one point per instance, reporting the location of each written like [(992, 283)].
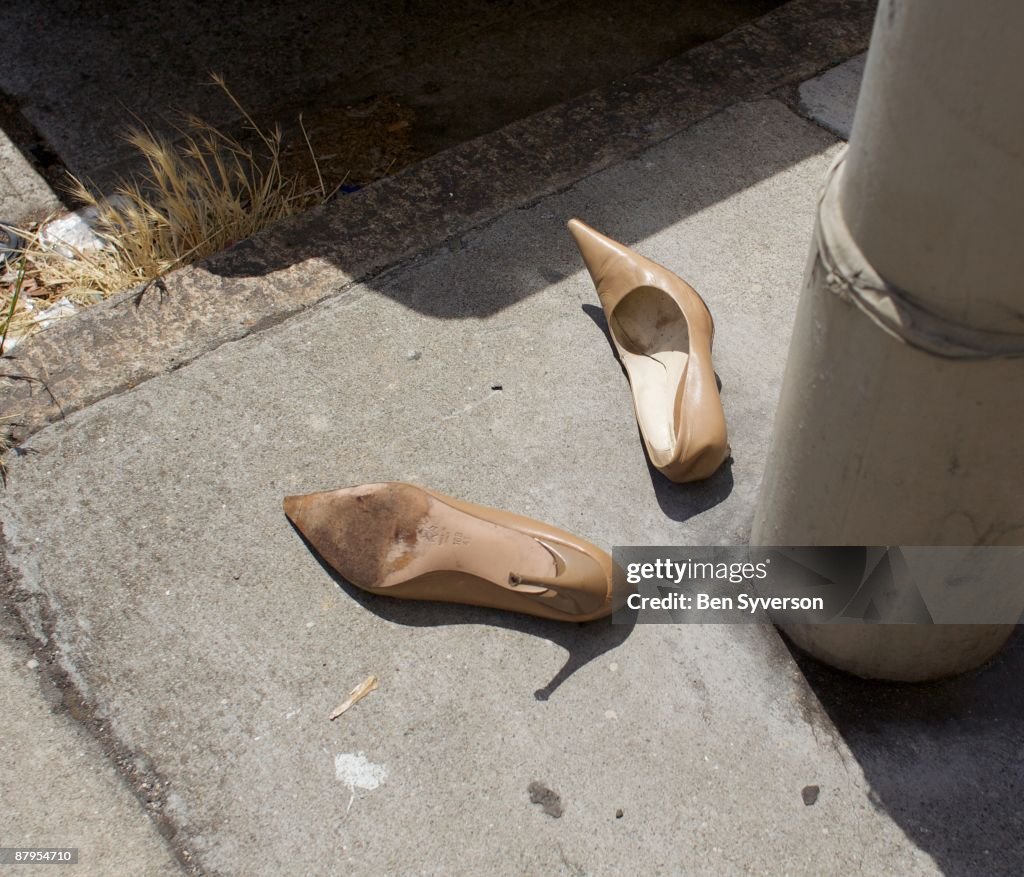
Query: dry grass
[(197, 197)]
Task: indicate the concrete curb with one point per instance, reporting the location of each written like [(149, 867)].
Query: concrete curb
[(91, 778), (256, 284)]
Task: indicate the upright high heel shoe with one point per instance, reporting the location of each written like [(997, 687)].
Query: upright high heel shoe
[(407, 541), (663, 333)]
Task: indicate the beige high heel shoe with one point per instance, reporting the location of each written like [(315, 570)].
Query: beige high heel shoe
[(407, 541), (663, 333)]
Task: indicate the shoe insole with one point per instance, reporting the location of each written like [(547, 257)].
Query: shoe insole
[(383, 535), (654, 343)]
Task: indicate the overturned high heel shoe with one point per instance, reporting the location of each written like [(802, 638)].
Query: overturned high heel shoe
[(407, 541), (663, 332)]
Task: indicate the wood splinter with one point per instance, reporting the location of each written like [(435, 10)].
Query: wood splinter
[(355, 695)]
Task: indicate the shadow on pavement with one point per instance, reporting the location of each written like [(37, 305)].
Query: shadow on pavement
[(944, 760), (704, 171), (584, 642), (462, 68)]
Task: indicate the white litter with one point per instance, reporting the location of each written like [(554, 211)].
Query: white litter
[(60, 308), (72, 234), (75, 233)]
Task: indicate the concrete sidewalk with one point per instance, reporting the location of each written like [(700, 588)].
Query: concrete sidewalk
[(205, 645), (57, 786)]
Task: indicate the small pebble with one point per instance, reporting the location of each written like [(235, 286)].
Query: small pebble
[(413, 355), (32, 664), (810, 794), (618, 814)]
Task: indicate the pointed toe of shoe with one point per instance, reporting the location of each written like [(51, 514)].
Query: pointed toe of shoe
[(354, 528), (293, 508)]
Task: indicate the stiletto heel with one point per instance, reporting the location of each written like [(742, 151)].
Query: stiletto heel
[(663, 332)]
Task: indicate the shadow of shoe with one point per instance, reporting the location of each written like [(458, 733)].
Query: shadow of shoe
[(596, 313), (583, 641), (680, 502)]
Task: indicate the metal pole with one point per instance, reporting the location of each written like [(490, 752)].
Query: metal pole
[(901, 412)]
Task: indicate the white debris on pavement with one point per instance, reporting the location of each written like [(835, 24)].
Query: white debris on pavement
[(357, 772)]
